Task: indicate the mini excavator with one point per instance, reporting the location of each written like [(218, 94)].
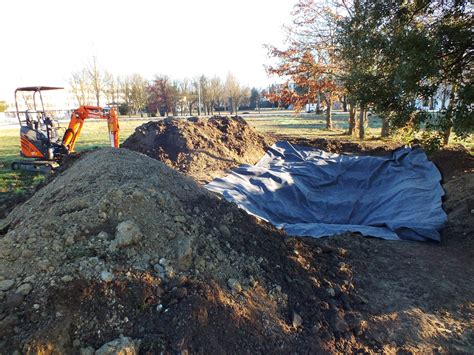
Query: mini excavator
[(39, 136)]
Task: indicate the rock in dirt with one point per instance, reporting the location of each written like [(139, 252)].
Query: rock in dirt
[(224, 230), (14, 300), (297, 320), (5, 285), (184, 254), (234, 285), (24, 289), (67, 278), (106, 276), (128, 233), (120, 346), (338, 323), (86, 351), (331, 292), (202, 148)]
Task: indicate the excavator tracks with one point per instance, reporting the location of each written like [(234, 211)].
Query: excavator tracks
[(40, 166)]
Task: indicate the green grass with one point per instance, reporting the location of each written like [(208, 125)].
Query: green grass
[(310, 125)]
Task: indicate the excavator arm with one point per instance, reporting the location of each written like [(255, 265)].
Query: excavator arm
[(85, 112)]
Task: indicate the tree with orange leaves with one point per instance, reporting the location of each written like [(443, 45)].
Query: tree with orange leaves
[(309, 63)]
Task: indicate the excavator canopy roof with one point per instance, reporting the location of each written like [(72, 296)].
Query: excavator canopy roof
[(38, 88)]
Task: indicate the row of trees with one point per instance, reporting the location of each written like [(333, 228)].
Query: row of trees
[(383, 56), (162, 95), (203, 94)]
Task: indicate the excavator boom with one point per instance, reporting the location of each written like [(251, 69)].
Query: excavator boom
[(86, 112)]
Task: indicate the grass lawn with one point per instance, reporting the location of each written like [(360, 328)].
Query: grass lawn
[(309, 125), (94, 135)]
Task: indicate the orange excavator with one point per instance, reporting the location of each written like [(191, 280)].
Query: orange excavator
[(39, 133)]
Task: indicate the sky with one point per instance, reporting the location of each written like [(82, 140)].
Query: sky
[(44, 41)]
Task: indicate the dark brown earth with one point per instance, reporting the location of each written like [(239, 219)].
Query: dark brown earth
[(341, 294), (420, 296), (201, 148)]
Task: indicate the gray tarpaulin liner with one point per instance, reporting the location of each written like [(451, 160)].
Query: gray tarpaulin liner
[(309, 192)]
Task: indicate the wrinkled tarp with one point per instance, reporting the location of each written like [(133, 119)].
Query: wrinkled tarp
[(309, 192)]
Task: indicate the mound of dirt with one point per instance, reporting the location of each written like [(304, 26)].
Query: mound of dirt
[(453, 161), (459, 205), (121, 252), (341, 146), (201, 148)]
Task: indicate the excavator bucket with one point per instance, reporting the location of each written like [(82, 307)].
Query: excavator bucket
[(113, 125)]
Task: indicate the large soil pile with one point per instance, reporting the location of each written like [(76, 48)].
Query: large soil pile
[(120, 244), (201, 148)]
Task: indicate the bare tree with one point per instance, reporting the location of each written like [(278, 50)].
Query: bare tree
[(111, 88), (234, 92), (205, 87), (216, 93), (126, 91), (188, 94), (96, 79), (80, 87), (139, 93)]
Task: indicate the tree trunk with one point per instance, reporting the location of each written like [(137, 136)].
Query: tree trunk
[(344, 103), (362, 115), (352, 119), (449, 112), (443, 99), (446, 134), (329, 113), (318, 104), (385, 127)]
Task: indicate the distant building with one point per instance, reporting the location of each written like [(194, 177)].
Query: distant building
[(438, 102)]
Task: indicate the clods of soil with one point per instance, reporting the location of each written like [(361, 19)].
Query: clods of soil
[(201, 148)]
